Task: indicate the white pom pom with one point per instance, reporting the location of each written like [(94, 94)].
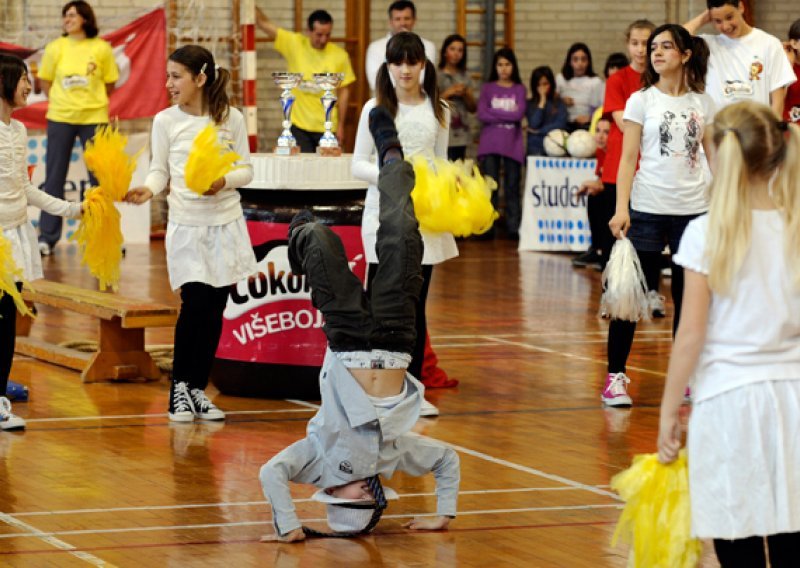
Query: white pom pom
[(625, 286)]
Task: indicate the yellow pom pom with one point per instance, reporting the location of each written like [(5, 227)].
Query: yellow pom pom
[(10, 274), (452, 197), (105, 156), (656, 520), (208, 160), (99, 238)]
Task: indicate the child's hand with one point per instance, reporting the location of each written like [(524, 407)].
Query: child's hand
[(138, 195), (428, 523), (292, 536), (569, 101), (669, 437), (591, 187), (216, 187), (619, 224)]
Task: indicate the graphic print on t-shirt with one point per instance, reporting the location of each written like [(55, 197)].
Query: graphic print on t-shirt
[(681, 138)]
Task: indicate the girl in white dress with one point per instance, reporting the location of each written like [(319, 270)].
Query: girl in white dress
[(739, 342), (208, 248), (422, 120), (16, 192)]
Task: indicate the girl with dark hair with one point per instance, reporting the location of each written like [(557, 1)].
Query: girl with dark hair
[(791, 106), (208, 248), (545, 111), (422, 120), (457, 89), (501, 108), (665, 122), (579, 86), (16, 193), (77, 74)]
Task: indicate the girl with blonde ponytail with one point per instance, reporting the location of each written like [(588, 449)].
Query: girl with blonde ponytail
[(739, 342)]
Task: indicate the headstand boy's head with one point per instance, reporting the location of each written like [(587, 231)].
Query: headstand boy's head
[(352, 507)]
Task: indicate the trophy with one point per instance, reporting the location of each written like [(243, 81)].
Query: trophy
[(328, 82), (287, 145)]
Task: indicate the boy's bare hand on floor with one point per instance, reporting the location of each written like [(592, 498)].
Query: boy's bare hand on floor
[(292, 536)]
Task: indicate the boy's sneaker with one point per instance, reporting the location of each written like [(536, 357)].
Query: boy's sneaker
[(9, 421), (384, 132), (657, 304), (428, 410), (44, 249), (588, 258), (181, 408), (204, 408), (16, 392), (615, 392)]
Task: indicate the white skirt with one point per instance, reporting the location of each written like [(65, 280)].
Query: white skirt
[(744, 461), (25, 250), (218, 255)]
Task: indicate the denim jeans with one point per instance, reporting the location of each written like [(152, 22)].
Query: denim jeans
[(386, 318), (490, 166)]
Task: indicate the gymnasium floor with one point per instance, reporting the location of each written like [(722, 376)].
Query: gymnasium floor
[(102, 478)]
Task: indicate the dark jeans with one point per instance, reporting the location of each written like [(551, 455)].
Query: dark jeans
[(784, 551), (456, 153), (649, 233), (8, 337), (197, 332), (60, 140), (490, 165), (307, 140), (384, 319)]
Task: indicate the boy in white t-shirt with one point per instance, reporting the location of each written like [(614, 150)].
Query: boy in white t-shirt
[(746, 63)]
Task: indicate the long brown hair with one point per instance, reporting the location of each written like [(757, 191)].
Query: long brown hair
[(407, 47), (215, 96)]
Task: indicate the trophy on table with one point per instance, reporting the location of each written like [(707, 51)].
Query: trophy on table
[(328, 82), (287, 145)]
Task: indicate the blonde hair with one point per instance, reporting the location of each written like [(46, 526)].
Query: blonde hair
[(751, 145)]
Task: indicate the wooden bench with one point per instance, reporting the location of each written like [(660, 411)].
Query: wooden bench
[(121, 351)]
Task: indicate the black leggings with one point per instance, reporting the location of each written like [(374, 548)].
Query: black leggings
[(197, 332), (8, 337), (784, 551), (620, 333)]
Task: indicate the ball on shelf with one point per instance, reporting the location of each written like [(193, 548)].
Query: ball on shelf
[(581, 144), (555, 143)]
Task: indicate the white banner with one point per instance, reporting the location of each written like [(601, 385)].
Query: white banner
[(553, 214), (135, 221)]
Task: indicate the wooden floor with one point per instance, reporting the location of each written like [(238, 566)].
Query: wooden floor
[(101, 478)]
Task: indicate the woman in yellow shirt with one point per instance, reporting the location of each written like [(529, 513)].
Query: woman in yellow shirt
[(77, 73)]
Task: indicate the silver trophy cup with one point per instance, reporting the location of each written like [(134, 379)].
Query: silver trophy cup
[(328, 82), (287, 145)]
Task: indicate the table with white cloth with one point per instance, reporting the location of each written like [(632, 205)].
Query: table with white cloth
[(272, 343), (553, 213)]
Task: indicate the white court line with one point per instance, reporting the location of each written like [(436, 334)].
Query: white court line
[(129, 416), (317, 520), (572, 342), (232, 504), (547, 334), (49, 538)]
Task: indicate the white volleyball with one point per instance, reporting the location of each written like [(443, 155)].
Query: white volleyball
[(581, 144), (555, 143)]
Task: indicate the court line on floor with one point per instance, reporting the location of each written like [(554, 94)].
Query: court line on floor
[(129, 416)]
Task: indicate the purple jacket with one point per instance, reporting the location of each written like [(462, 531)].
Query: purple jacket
[(501, 110)]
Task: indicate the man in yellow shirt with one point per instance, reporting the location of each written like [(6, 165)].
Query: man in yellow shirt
[(309, 54)]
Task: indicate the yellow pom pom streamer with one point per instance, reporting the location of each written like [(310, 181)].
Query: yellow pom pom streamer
[(99, 235), (656, 520), (10, 274), (452, 197), (208, 160)]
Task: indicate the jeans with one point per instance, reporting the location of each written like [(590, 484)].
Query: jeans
[(490, 166), (8, 337), (307, 140), (386, 318), (60, 140)]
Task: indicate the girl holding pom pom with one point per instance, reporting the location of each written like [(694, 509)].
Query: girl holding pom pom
[(739, 341), (208, 248), (16, 192)]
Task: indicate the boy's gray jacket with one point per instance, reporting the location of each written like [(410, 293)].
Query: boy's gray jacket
[(346, 441)]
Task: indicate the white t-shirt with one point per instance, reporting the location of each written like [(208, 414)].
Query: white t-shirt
[(746, 68), (588, 93), (376, 55), (753, 334), (670, 178)]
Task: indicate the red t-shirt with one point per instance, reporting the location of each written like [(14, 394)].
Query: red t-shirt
[(791, 107), (600, 154), (619, 87)]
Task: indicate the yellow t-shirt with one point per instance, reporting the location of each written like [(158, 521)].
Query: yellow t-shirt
[(301, 57), (78, 71)]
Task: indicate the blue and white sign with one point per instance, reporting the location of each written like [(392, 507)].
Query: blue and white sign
[(553, 214)]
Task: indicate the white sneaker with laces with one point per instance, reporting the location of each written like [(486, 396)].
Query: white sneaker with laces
[(657, 304), (181, 408), (427, 409), (44, 249), (615, 392), (9, 421), (204, 408)]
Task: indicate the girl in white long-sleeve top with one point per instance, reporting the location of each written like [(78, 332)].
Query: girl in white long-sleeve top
[(16, 193), (208, 248)]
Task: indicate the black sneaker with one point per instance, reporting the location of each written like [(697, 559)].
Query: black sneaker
[(384, 132), (588, 258), (181, 407), (303, 217)]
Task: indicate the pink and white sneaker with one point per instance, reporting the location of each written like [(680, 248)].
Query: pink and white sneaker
[(615, 392), (687, 396)]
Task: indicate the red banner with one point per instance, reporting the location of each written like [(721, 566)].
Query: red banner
[(140, 52)]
